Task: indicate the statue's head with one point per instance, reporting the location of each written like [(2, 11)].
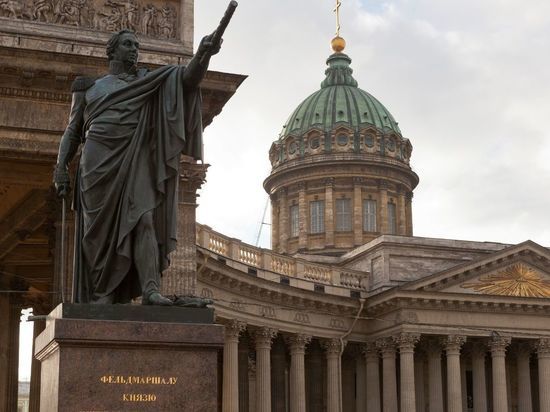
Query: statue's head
[(123, 46)]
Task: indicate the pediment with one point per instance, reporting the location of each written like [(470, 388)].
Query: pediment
[(520, 271)]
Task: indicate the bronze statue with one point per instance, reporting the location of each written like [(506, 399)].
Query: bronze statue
[(133, 125)]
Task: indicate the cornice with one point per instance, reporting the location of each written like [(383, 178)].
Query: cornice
[(399, 299)]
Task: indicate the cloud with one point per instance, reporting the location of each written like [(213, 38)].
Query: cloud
[(467, 81)]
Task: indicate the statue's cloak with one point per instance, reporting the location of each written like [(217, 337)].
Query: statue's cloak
[(130, 165)]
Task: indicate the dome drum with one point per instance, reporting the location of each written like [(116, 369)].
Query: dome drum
[(341, 140)]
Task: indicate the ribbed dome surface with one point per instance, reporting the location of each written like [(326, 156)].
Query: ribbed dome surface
[(339, 101)]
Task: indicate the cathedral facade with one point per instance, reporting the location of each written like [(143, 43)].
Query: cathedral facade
[(349, 311)]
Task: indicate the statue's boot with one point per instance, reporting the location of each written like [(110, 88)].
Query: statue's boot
[(104, 300), (192, 302), (155, 298)]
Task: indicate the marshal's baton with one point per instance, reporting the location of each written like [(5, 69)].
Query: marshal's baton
[(224, 22)]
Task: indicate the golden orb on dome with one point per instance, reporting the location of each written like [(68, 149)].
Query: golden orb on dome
[(338, 44)]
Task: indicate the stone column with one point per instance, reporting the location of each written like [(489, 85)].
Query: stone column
[(419, 367), (314, 377), (34, 393), (389, 384), (230, 391), (13, 357), (275, 211), (383, 214), (251, 384), (302, 216), (453, 343), (329, 212), (523, 354), (4, 349), (357, 211), (479, 351), (360, 383), (435, 380), (543, 354), (297, 344), (372, 363), (464, 382), (181, 277), (279, 387), (333, 348), (263, 338), (284, 225), (401, 213), (498, 346), (408, 213), (406, 343)]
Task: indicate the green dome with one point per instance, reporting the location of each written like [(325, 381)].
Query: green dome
[(339, 101)]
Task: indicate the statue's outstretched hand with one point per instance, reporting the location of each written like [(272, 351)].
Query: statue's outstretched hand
[(208, 46), (62, 181)]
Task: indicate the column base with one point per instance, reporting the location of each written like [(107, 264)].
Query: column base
[(90, 362)]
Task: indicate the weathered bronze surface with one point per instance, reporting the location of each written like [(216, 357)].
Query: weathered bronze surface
[(133, 125)]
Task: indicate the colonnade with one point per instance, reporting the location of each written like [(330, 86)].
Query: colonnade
[(405, 372)]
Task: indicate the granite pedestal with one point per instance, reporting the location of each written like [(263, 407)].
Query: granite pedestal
[(129, 358)]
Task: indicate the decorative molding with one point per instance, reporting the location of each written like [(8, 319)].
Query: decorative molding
[(302, 317), (141, 16)]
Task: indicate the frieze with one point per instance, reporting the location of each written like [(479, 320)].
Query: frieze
[(336, 323), (301, 317), (267, 312), (237, 305), (35, 94), (207, 293), (141, 16)]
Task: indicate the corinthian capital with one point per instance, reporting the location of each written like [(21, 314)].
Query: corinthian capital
[(263, 337), (498, 344), (406, 341), (333, 346), (233, 328), (543, 347), (386, 346), (298, 342), (453, 343)]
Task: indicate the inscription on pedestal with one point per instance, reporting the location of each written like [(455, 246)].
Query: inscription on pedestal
[(138, 388)]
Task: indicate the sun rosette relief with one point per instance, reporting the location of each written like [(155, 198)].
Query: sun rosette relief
[(517, 280), (145, 17)]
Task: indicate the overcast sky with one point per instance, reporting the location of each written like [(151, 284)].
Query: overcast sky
[(468, 81)]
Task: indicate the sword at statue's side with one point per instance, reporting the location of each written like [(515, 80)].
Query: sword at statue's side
[(224, 22)]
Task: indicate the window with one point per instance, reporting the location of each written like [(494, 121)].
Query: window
[(294, 221), (343, 215), (369, 215), (392, 216), (317, 216)]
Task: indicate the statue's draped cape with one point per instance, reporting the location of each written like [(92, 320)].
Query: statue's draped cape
[(129, 165)]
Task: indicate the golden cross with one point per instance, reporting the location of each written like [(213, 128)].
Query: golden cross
[(337, 11)]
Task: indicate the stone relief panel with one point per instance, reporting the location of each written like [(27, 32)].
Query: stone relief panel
[(152, 19)]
